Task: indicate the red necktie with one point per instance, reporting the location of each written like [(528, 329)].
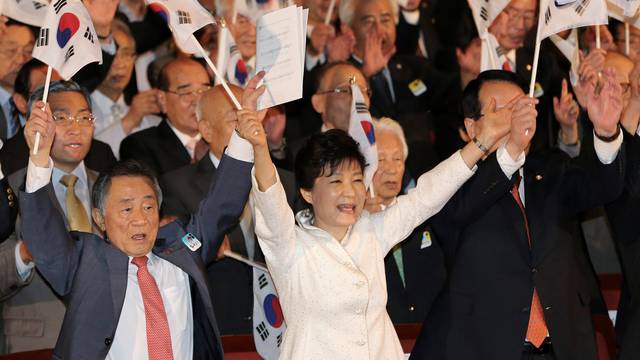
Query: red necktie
[(506, 66), (158, 333), (537, 328)]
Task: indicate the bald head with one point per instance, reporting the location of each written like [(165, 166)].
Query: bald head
[(338, 75), (218, 118)]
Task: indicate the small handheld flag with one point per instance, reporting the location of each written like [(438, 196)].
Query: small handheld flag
[(361, 130), (31, 12)]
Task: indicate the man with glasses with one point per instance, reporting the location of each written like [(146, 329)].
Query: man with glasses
[(33, 317), (16, 45), (115, 119), (176, 141)]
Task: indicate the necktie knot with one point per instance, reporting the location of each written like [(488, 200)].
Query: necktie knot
[(69, 181), (140, 261)]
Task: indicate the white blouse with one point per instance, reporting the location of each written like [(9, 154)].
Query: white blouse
[(334, 294)]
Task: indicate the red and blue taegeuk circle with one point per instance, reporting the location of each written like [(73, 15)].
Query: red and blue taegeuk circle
[(272, 311)]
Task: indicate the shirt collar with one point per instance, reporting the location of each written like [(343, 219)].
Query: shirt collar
[(104, 102), (153, 258), (214, 160), (184, 138), (4, 96), (80, 172)]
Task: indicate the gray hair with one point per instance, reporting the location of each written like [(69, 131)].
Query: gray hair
[(58, 86), (348, 9), (131, 168), (392, 126)]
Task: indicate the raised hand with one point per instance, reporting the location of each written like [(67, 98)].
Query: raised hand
[(320, 36), (340, 47), (631, 113), (605, 107), (40, 121), (588, 80), (374, 58), (494, 123), (523, 126), (566, 111), (143, 104), (274, 123)]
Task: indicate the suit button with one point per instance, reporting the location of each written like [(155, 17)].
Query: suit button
[(11, 203), (108, 341), (411, 308), (10, 197)]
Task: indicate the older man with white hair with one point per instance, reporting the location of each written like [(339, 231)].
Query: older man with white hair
[(415, 268), (405, 87)]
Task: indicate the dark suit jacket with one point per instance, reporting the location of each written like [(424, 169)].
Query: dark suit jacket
[(158, 147), (624, 214), (425, 276), (484, 311), (77, 264), (8, 209), (414, 112), (15, 155), (408, 36), (231, 280)]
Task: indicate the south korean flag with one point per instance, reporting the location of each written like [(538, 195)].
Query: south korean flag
[(560, 15), (67, 40), (268, 321), (31, 12)]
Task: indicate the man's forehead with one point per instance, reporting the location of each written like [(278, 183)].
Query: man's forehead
[(342, 75), (130, 188)]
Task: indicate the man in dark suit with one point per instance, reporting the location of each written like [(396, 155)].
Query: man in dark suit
[(175, 142), (33, 316), (514, 289), (171, 296), (404, 87), (417, 29), (184, 189), (14, 155)]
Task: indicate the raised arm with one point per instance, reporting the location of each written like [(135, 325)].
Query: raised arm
[(43, 228)]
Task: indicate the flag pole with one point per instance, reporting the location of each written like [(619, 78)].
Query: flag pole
[(47, 81), (536, 58), (597, 36), (372, 191), (235, 256), (218, 75), (327, 20), (626, 38)]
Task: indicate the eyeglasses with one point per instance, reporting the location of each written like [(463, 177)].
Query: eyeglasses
[(84, 118), (517, 15), (186, 95), (346, 90)]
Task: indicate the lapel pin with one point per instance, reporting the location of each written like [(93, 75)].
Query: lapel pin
[(538, 177), (528, 67), (399, 66)]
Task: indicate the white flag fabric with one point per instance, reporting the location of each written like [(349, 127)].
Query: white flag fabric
[(570, 49), (625, 8), (560, 15), (184, 17), (485, 12), (268, 321), (361, 130), (31, 12), (230, 60), (618, 13), (491, 54), (67, 40)]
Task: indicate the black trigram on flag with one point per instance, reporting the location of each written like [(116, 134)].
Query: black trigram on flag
[(43, 38), (184, 17), (262, 281), (58, 5), (499, 50), (581, 6), (262, 331), (279, 339), (484, 13), (37, 5), (69, 54), (547, 15), (361, 108), (88, 35)]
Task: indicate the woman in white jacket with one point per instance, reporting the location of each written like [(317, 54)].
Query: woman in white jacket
[(329, 267)]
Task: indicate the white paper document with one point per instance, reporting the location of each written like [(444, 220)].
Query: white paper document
[(281, 44)]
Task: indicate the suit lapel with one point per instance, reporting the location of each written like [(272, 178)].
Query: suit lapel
[(118, 264), (92, 177), (206, 174), (535, 194), (169, 140)]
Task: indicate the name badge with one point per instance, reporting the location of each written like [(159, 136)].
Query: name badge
[(191, 242), (417, 87), (537, 90), (426, 240)]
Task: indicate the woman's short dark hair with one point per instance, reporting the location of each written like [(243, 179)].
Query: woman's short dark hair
[(322, 154), (122, 168), (471, 107)]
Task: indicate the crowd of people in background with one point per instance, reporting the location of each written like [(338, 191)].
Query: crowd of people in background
[(474, 230)]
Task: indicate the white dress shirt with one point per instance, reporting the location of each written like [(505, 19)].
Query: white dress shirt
[(333, 293), (130, 341), (109, 115), (185, 139)]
